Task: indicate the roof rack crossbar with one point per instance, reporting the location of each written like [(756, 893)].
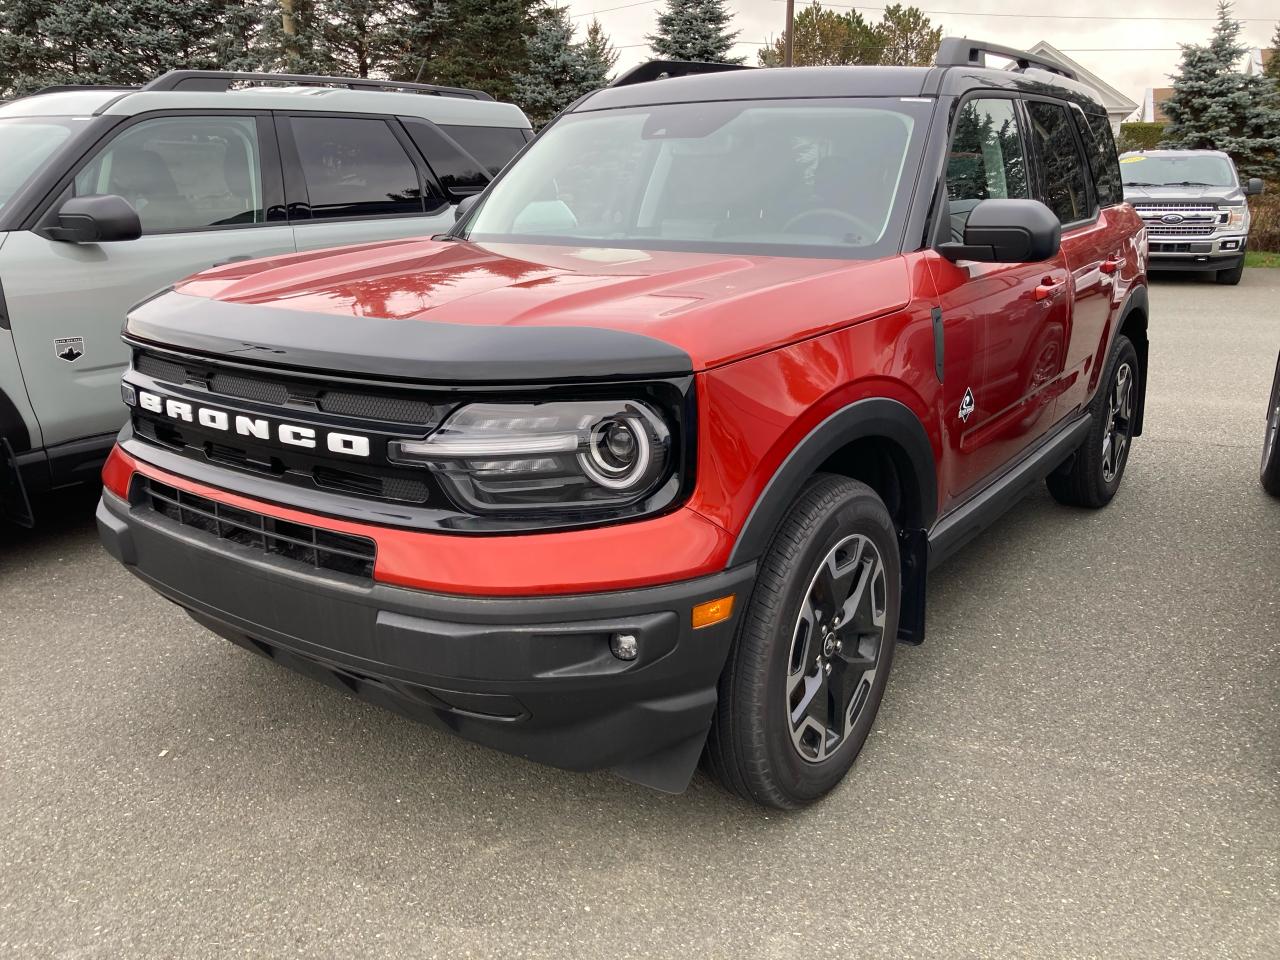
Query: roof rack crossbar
[(665, 69), (220, 80), (963, 52)]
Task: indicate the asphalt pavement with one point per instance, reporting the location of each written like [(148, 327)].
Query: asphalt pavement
[(1083, 760)]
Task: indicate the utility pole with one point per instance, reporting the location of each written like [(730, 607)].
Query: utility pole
[(789, 36)]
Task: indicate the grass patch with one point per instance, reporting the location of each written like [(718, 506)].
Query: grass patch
[(1260, 258)]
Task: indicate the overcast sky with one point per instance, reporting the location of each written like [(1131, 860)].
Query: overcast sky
[(1087, 30)]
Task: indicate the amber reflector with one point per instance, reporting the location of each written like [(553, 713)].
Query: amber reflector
[(712, 612)]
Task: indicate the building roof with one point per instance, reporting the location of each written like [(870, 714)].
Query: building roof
[(1117, 103)]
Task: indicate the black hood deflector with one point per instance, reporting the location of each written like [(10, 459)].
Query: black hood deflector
[(415, 350)]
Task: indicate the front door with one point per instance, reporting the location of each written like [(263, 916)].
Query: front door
[(1011, 318), (203, 193)]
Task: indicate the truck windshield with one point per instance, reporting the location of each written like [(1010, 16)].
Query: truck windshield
[(25, 144), (826, 178), (1193, 170)]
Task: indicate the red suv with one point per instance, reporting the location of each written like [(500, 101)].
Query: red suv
[(650, 456)]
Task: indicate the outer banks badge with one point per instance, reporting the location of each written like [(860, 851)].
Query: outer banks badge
[(69, 349)]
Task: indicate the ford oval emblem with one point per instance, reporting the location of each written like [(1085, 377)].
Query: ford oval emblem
[(1172, 218)]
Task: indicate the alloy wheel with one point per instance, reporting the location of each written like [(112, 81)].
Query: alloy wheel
[(836, 647), (1115, 439)]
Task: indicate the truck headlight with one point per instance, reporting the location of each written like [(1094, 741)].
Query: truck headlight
[(573, 455), (1238, 218)]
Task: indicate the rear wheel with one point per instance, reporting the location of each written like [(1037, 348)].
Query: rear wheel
[(1092, 476), (1271, 441), (1231, 277), (810, 663)]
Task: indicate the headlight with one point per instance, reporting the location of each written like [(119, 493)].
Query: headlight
[(500, 457), (1238, 218)]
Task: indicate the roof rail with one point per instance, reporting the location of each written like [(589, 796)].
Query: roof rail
[(665, 69), (67, 87), (220, 80), (962, 52)]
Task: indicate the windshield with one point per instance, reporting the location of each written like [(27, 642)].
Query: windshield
[(25, 144), (1193, 170), (803, 178)]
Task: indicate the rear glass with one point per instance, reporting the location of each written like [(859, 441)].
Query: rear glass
[(492, 146), (1095, 130)]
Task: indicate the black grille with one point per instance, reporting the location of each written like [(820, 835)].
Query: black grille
[(311, 546), (389, 405)]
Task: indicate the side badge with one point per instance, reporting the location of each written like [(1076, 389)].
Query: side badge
[(966, 405), (69, 349)]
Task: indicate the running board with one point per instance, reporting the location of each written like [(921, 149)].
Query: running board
[(977, 513)]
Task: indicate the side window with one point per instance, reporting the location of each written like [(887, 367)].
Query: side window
[(1062, 168), (987, 160), (492, 146), (182, 173), (355, 167), (459, 173), (1095, 130)]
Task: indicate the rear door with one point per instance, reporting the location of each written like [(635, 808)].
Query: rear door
[(207, 188), (1004, 323), (357, 179)]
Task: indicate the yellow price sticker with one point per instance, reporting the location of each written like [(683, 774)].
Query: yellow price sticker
[(1132, 159)]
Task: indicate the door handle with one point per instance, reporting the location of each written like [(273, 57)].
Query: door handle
[(1112, 264), (1047, 288)]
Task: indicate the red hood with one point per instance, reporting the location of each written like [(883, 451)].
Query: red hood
[(715, 308)]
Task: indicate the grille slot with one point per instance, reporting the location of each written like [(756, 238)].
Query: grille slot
[(161, 369), (1180, 229), (249, 388), (300, 543)]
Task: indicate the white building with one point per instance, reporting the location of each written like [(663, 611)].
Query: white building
[(1118, 105)]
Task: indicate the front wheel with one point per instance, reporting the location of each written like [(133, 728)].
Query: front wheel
[(1271, 441), (809, 665), (1092, 476)]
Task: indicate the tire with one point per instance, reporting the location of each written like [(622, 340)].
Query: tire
[(1271, 442), (1093, 474), (838, 536), (1231, 277)]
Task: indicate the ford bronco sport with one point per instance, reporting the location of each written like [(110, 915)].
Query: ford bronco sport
[(651, 455), (109, 194), (1195, 208)]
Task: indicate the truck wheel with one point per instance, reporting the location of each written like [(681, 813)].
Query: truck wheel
[(1271, 442), (812, 656), (1093, 474), (1231, 277)]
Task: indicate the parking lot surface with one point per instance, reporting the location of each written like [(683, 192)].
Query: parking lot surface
[(1083, 760)]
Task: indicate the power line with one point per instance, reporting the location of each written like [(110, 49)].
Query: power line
[(1037, 16), (625, 6)]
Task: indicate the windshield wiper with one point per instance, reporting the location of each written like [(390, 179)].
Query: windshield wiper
[(1189, 183)]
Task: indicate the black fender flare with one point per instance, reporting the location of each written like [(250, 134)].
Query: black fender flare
[(12, 426), (873, 417), (1136, 299)]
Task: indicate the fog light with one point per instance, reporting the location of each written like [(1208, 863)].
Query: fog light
[(1230, 244), (625, 646), (128, 394)]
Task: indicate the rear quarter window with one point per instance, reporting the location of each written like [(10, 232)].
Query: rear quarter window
[(1100, 145), (492, 146)]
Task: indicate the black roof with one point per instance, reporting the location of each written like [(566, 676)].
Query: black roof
[(961, 68)]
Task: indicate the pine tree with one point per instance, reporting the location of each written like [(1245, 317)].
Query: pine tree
[(825, 38), (558, 72), (465, 43), (1272, 69), (1215, 106), (600, 53), (694, 30), (907, 37), (358, 35)]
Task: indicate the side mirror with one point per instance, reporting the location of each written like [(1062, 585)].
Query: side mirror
[(1253, 186), (465, 204), (1007, 231), (97, 219)]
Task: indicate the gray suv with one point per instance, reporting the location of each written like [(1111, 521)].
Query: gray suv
[(1194, 206), (108, 195)]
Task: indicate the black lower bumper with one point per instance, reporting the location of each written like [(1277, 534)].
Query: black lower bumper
[(1189, 264), (533, 676)]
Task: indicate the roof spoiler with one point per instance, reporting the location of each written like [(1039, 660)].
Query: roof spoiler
[(220, 80), (962, 52), (665, 69)]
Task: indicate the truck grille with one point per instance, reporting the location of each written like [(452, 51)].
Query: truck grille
[(300, 543), (1180, 230), (1194, 218)]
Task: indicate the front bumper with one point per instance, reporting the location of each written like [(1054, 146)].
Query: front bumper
[(1210, 253), (533, 676)]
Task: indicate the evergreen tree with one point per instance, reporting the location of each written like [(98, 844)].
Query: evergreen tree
[(1215, 106), (825, 38), (694, 30), (600, 53), (1272, 68), (558, 72), (465, 43), (293, 39), (359, 37), (907, 37)]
